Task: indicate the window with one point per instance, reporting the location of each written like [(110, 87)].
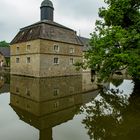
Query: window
[(22, 33), (56, 92), (17, 49), (56, 48), (56, 105), (31, 31), (71, 61), (71, 89), (17, 90), (27, 92), (17, 60), (28, 47), (56, 61), (71, 50), (28, 59)]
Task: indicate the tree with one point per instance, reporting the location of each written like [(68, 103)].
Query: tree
[(4, 44), (116, 40)]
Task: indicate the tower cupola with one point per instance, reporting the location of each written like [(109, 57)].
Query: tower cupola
[(47, 10)]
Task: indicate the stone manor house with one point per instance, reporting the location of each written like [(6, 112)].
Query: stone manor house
[(46, 48)]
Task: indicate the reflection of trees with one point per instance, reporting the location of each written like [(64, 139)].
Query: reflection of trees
[(113, 116), (116, 82)]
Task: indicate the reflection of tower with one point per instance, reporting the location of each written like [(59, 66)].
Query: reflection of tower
[(43, 135), (46, 102)]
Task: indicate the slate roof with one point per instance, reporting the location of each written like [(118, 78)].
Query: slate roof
[(48, 30), (5, 51), (86, 43)]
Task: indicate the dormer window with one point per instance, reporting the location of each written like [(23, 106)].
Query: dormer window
[(22, 33), (31, 31), (56, 48)]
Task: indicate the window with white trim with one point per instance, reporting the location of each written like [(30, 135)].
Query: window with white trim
[(17, 60), (71, 50), (17, 50), (56, 92), (56, 60), (28, 47), (28, 60), (56, 104), (71, 61), (56, 48)]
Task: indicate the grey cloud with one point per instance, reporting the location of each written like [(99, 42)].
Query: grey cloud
[(16, 14)]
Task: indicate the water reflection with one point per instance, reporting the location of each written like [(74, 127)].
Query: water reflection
[(113, 115), (47, 102), (4, 83)]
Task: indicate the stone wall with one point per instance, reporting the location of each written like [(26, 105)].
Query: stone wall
[(34, 94), (42, 54)]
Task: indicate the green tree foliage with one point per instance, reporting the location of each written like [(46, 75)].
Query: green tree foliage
[(116, 39), (4, 44)]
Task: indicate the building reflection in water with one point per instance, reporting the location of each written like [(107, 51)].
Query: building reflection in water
[(4, 83), (47, 102)]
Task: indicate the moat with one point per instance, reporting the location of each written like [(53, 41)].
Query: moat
[(68, 108)]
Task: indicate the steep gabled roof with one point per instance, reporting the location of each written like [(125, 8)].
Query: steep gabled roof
[(85, 42), (48, 30), (5, 51)]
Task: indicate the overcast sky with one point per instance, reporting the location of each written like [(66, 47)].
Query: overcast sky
[(79, 15)]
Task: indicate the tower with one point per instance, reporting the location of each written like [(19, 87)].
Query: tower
[(47, 10)]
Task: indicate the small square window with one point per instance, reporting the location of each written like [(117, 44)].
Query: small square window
[(56, 61), (71, 89), (28, 60), (17, 60), (56, 104), (56, 48), (71, 61), (31, 31), (28, 47), (17, 90), (17, 49), (27, 92), (56, 92), (71, 50)]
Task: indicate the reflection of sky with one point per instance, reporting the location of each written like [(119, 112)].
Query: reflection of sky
[(72, 130), (127, 87), (125, 90), (11, 128)]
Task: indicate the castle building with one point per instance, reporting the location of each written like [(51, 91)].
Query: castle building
[(46, 48)]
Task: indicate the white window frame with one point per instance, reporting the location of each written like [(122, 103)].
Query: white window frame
[(71, 50), (57, 60), (56, 91), (17, 60), (17, 49), (56, 48), (28, 60), (71, 61), (28, 47)]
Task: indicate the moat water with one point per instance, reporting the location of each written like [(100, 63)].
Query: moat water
[(68, 108)]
